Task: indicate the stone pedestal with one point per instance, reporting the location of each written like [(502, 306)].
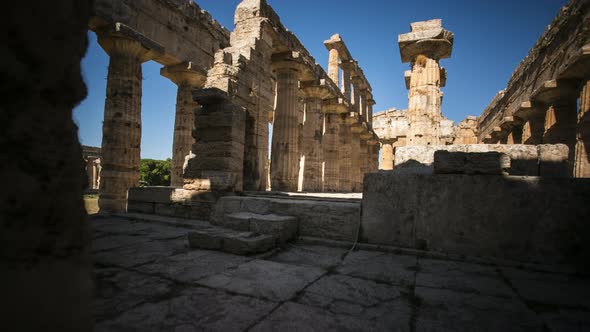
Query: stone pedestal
[(187, 79), (284, 166), (121, 140)]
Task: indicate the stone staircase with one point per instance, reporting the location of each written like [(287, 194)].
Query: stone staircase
[(245, 233)]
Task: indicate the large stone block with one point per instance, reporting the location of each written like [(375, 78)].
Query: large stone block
[(151, 194), (283, 228), (553, 160), (486, 163), (529, 219)]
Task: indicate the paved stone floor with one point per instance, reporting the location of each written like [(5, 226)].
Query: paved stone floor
[(147, 279)]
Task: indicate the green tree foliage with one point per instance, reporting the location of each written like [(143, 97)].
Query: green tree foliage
[(155, 172)]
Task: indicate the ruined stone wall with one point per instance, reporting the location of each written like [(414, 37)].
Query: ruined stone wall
[(539, 103), (44, 240)]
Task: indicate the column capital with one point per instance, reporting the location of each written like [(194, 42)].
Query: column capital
[(119, 39), (289, 61), (316, 89), (554, 91), (426, 38), (185, 73)]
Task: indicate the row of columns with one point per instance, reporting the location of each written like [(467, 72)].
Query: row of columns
[(316, 152), (121, 140), (552, 116)]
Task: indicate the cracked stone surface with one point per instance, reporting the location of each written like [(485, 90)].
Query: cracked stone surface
[(265, 279), (390, 268), (147, 279)]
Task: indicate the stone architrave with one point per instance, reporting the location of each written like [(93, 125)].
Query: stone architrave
[(187, 78)]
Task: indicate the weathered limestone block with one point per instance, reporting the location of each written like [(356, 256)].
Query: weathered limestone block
[(282, 228), (524, 159), (554, 160), (44, 239), (219, 137), (485, 216), (486, 163)]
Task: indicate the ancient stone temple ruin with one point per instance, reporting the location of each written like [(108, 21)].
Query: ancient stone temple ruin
[(233, 80), (482, 225)]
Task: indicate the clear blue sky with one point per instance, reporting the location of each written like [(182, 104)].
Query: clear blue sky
[(491, 38)]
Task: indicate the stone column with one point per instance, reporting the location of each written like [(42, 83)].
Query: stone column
[(333, 69), (364, 158), (284, 166), (311, 145), (356, 96), (423, 47), (387, 157), (331, 150), (355, 147), (582, 158), (363, 104), (121, 138), (559, 98), (532, 130), (187, 78), (347, 71), (345, 141)]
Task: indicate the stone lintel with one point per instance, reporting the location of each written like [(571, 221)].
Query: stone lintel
[(578, 67), (185, 72), (111, 38), (336, 42), (555, 91)]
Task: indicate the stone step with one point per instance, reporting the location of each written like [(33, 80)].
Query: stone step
[(235, 242), (283, 228)]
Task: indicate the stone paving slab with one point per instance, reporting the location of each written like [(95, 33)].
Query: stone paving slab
[(118, 290), (460, 276), (116, 241), (324, 257), (297, 317), (195, 309), (193, 265), (388, 306), (264, 279), (447, 310), (557, 289), (378, 266), (141, 253), (567, 320)]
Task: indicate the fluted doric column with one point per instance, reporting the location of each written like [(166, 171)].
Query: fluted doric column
[(582, 158), (347, 73), (331, 149), (356, 95), (121, 140), (345, 142), (355, 147), (311, 146), (187, 78), (284, 166)]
